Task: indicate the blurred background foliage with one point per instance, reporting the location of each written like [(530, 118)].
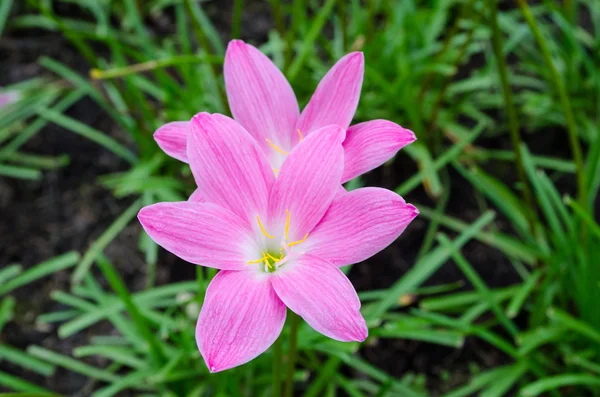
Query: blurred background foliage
[(498, 278)]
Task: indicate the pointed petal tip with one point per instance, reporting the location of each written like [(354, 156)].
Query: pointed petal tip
[(357, 55), (172, 139), (200, 117), (142, 214), (235, 43), (415, 210), (361, 332), (212, 368)]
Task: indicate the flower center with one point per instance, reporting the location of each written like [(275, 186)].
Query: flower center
[(272, 259), (281, 151)]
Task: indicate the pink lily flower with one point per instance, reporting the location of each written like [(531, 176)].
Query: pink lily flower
[(6, 98), (278, 241), (263, 102)]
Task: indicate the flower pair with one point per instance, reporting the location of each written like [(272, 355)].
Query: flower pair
[(270, 212)]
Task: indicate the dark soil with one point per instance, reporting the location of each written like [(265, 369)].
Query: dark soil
[(68, 209)]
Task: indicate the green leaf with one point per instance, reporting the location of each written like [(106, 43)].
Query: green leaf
[(71, 364), (41, 270), (427, 266), (555, 382), (5, 6), (89, 133), (13, 171), (23, 360), (574, 324), (104, 240), (14, 383)]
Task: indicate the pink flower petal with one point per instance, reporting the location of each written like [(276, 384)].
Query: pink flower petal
[(172, 139), (323, 296), (336, 97), (370, 144), (358, 225), (197, 197), (260, 97), (200, 233), (307, 182), (229, 167), (6, 98), (241, 317)]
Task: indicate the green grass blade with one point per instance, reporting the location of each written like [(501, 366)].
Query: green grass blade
[(71, 364), (89, 133), (506, 381), (574, 324), (14, 383), (5, 6), (480, 286), (7, 306), (516, 303), (309, 38), (555, 382), (102, 242), (508, 245), (13, 171), (9, 272), (426, 266), (140, 322), (448, 156), (26, 361), (41, 270)]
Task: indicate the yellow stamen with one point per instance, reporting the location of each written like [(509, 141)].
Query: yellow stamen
[(276, 170), (255, 261), (287, 224), (262, 228), (277, 148), (297, 241), (300, 135), (272, 257)]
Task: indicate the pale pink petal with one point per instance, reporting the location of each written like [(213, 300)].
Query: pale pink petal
[(6, 98), (229, 167), (370, 144), (196, 196), (200, 233), (172, 139), (241, 317), (307, 182), (336, 97), (323, 296), (358, 225), (341, 190), (260, 97)]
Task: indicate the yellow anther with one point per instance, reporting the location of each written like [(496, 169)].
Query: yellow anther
[(277, 148), (300, 135), (262, 228), (276, 170), (255, 261), (272, 257), (298, 241), (287, 224)]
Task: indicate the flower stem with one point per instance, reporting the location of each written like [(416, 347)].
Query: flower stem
[(509, 106), (559, 86), (236, 22), (98, 74), (277, 368), (289, 381)]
